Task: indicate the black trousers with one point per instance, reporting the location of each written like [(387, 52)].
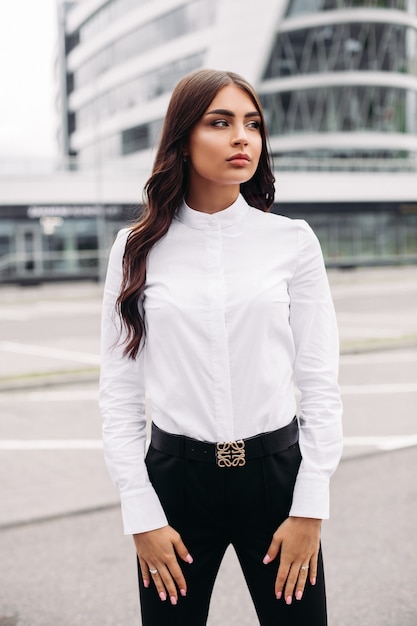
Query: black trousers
[(214, 507)]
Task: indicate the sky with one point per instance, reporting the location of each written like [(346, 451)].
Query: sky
[(28, 118)]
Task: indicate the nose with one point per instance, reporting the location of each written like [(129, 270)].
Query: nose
[(240, 137)]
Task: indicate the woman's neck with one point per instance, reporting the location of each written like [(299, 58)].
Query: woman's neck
[(212, 199)]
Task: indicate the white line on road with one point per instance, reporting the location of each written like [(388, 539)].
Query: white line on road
[(390, 356), (51, 444), (77, 395), (54, 353), (381, 388), (394, 442)]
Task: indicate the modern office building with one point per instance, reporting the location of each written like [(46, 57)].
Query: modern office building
[(338, 81)]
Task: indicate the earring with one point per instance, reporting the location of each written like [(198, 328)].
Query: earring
[(184, 159)]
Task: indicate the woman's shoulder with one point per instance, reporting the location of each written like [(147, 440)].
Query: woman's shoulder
[(276, 221)]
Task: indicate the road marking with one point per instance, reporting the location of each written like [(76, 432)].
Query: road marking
[(51, 444), (390, 356), (373, 289), (54, 353), (381, 388), (49, 396), (41, 310), (394, 442)]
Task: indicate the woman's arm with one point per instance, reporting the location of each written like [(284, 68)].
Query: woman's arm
[(123, 408), (316, 368), (122, 404), (314, 328)]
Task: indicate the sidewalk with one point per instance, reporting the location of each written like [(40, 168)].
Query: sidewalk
[(49, 347), (376, 309), (65, 561)]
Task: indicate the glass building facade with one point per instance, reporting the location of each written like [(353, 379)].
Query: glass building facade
[(338, 81), (334, 69), (102, 96), (345, 74)]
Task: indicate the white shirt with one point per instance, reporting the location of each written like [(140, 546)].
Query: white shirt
[(237, 309)]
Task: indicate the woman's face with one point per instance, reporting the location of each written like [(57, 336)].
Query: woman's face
[(225, 145)]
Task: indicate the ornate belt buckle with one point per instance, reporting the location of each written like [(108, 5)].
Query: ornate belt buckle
[(230, 454)]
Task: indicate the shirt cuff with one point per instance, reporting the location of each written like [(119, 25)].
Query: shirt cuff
[(311, 497), (142, 512)]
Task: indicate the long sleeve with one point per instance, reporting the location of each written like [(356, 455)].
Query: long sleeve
[(122, 405), (314, 328)]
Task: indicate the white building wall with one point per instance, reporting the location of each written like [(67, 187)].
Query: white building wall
[(244, 35)]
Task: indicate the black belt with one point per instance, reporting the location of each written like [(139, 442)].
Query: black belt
[(229, 453)]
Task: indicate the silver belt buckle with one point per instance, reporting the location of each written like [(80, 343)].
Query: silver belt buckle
[(231, 454)]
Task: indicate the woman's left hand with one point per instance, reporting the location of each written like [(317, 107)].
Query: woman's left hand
[(298, 541)]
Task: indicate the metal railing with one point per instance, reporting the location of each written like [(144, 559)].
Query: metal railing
[(337, 164), (44, 265)]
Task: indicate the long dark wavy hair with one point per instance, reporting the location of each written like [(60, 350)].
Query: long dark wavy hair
[(167, 186)]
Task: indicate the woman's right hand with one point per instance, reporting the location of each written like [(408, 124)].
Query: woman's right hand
[(157, 550)]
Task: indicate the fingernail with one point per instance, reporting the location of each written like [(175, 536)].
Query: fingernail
[(313, 581), (299, 595), (279, 595), (267, 559), (163, 596), (183, 592), (288, 599), (189, 558), (146, 583), (173, 600)]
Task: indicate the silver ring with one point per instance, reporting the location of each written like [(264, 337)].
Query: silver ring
[(153, 571), (304, 567)]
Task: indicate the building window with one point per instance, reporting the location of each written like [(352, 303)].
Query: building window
[(135, 139), (70, 83), (142, 88), (346, 108), (341, 47), (298, 7), (188, 18), (71, 41)]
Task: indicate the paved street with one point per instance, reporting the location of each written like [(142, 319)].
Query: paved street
[(64, 560)]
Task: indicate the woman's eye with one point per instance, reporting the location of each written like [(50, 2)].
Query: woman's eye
[(219, 123), (254, 124)]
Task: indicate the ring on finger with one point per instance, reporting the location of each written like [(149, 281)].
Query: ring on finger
[(153, 571), (304, 567)]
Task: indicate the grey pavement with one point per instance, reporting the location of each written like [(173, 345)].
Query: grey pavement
[(64, 560)]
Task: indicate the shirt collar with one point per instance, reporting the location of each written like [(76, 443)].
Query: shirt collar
[(212, 221)]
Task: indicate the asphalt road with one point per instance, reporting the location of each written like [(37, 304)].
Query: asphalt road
[(63, 558)]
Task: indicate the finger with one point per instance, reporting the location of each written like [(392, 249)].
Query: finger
[(181, 550), (274, 548), (145, 572), (301, 581), (174, 579), (170, 577), (158, 582), (291, 582), (282, 576), (313, 568), (175, 570)]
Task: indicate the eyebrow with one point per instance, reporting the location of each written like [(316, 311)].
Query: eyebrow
[(231, 114)]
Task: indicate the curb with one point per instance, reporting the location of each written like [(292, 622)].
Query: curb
[(50, 379), (26, 383)]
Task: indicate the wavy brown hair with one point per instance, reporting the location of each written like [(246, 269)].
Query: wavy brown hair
[(167, 186)]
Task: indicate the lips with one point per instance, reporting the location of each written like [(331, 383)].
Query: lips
[(239, 157)]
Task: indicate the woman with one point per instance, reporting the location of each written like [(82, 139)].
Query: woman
[(216, 308)]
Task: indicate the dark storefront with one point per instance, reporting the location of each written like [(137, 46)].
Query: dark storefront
[(58, 242), (71, 242)]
